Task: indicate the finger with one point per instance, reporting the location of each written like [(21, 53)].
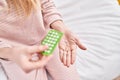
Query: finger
[(62, 47), (73, 56), (62, 43), (68, 57), (64, 58), (78, 43), (40, 56), (73, 49), (28, 65), (35, 57), (61, 55), (34, 49), (41, 63)]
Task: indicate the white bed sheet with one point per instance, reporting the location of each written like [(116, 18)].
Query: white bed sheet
[(97, 23)]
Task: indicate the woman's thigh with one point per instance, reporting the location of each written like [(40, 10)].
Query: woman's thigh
[(11, 71), (60, 72)]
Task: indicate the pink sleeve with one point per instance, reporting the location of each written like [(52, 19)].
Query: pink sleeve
[(49, 12), (2, 42)]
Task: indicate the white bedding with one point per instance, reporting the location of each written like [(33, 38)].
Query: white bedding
[(97, 23)]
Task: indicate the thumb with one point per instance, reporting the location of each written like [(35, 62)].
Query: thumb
[(33, 49), (79, 44)]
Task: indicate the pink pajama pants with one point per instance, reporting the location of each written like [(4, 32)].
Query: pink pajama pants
[(54, 67)]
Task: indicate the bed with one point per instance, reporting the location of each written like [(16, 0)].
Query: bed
[(97, 23)]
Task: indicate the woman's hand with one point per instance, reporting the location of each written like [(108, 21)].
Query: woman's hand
[(68, 44), (28, 57)]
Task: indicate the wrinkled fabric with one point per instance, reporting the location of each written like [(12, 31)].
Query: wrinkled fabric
[(97, 23)]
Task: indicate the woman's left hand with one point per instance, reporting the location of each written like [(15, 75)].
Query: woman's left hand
[(68, 46)]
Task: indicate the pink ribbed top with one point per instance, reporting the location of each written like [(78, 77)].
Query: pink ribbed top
[(17, 30), (30, 30)]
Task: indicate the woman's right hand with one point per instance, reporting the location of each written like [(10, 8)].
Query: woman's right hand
[(29, 57)]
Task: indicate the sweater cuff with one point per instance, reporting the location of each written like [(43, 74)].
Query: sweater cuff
[(52, 19)]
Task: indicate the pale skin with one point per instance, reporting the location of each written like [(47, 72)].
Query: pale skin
[(22, 55), (68, 44)]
